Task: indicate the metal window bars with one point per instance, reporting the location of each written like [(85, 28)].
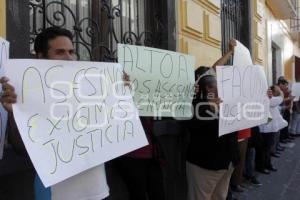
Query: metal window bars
[(98, 25)]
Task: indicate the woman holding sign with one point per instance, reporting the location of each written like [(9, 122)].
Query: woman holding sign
[(210, 158), (271, 129)]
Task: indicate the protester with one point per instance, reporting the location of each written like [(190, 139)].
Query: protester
[(237, 176), (56, 43), (271, 128), (243, 136), (254, 142), (210, 158), (247, 157), (286, 106), (253, 155)]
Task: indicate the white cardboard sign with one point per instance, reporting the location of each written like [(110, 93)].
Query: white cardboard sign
[(243, 90), (73, 116)]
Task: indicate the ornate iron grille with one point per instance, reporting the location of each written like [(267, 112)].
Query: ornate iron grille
[(231, 15), (98, 25)]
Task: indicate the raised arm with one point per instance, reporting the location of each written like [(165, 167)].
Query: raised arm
[(226, 57)]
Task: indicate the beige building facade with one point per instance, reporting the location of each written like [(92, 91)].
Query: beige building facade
[(272, 43), (199, 32)]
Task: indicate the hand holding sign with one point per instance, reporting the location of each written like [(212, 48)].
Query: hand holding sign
[(243, 88), (162, 81), (8, 95), (73, 116), (232, 44), (126, 79), (4, 55)]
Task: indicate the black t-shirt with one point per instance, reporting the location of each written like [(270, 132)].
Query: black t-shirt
[(206, 149)]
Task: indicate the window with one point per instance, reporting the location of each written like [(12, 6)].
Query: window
[(98, 25), (235, 22)]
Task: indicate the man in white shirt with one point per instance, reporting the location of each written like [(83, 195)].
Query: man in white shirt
[(56, 43)]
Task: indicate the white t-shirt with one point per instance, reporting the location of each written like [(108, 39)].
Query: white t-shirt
[(88, 185), (277, 123)]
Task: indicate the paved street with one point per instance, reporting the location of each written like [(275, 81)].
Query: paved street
[(283, 184)]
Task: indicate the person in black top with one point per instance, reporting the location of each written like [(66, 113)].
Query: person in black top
[(210, 158)]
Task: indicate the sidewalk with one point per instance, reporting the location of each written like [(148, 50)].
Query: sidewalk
[(281, 185)]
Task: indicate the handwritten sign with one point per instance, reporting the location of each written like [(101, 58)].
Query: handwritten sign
[(296, 90), (243, 91), (163, 81), (73, 116), (4, 55)]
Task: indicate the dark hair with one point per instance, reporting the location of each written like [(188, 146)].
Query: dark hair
[(204, 82), (200, 70), (282, 80), (272, 88), (42, 39)]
